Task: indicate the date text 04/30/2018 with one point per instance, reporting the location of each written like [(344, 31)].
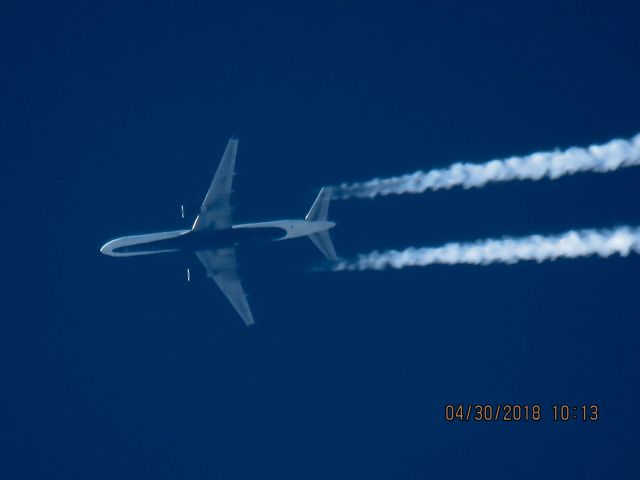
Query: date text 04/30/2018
[(500, 412)]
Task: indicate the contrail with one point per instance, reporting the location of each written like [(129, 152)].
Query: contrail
[(607, 157), (572, 244)]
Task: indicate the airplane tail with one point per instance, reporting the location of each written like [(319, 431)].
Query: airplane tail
[(319, 212)]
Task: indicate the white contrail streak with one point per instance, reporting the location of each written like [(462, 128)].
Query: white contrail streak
[(610, 156), (572, 244)]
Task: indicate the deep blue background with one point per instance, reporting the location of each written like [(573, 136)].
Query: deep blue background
[(115, 114)]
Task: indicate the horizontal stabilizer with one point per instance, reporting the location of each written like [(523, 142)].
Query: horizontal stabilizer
[(322, 240), (320, 208)]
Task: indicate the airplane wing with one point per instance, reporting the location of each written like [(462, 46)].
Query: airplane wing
[(215, 212), (221, 267)]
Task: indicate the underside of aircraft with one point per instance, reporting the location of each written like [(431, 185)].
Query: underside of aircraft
[(213, 237)]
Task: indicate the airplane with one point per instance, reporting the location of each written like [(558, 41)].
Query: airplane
[(213, 237)]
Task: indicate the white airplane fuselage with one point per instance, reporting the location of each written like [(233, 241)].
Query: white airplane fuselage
[(213, 236), (194, 240)]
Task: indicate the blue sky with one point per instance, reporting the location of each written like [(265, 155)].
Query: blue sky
[(115, 114)]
